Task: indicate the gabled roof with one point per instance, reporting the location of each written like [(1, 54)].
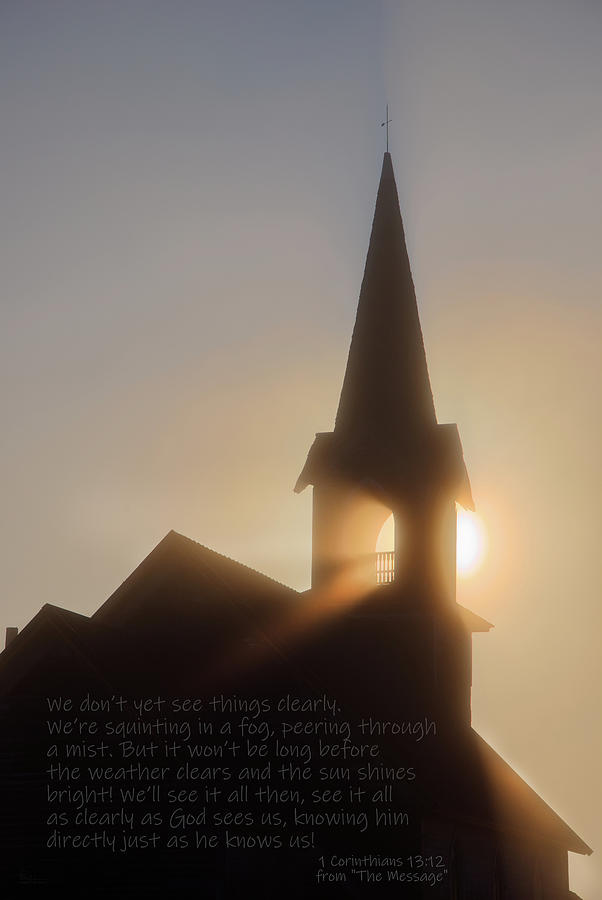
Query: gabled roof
[(185, 568), (182, 593), (56, 634)]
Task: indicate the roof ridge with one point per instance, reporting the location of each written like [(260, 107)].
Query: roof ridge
[(230, 559), (54, 609)]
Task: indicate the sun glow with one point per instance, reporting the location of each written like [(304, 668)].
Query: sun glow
[(386, 538), (471, 543)]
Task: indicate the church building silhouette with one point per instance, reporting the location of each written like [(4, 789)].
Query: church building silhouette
[(381, 633)]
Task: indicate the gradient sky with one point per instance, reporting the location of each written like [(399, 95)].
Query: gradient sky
[(187, 191)]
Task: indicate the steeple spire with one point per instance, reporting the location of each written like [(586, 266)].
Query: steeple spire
[(386, 386)]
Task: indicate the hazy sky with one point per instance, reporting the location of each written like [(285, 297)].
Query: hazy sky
[(187, 191)]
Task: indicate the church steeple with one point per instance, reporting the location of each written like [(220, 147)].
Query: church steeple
[(387, 453), (386, 386)]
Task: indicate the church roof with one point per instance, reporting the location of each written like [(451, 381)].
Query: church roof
[(213, 578), (187, 575), (384, 601), (57, 637), (183, 594), (517, 806)]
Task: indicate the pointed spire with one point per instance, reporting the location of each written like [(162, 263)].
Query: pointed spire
[(386, 391)]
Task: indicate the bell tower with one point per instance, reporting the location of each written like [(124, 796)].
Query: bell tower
[(387, 453)]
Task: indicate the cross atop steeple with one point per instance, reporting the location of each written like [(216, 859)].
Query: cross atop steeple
[(386, 125)]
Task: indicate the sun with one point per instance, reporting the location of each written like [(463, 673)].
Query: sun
[(471, 543)]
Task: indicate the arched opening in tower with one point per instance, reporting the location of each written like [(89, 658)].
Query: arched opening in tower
[(387, 550)]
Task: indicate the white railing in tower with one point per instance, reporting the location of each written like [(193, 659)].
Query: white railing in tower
[(385, 567)]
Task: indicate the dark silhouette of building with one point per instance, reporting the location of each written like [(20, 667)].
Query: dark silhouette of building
[(381, 633)]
